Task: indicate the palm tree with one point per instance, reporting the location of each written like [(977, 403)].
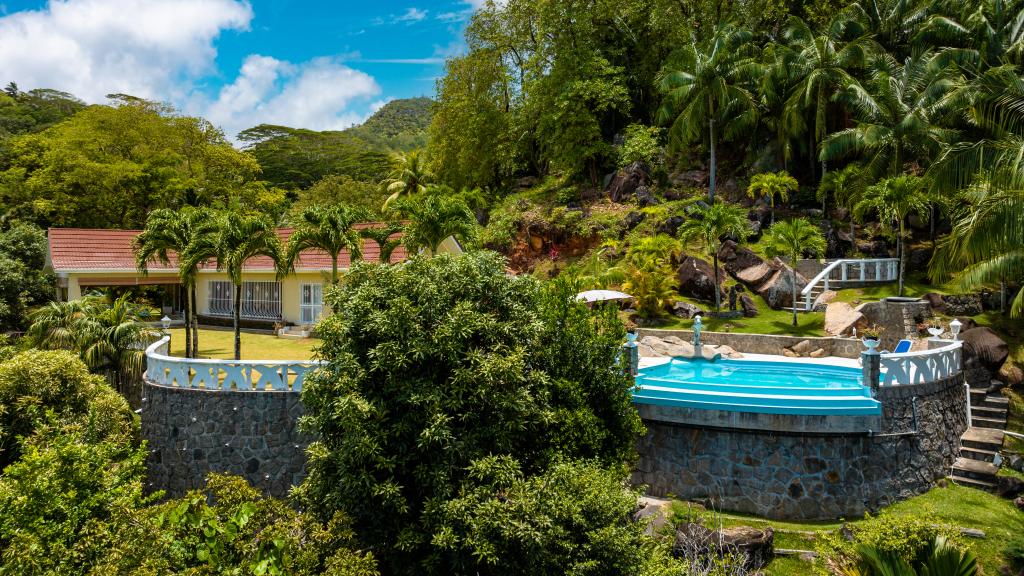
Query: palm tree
[(646, 273), (896, 25), (187, 233), (408, 176), (846, 187), (896, 116), (988, 32), (707, 84), (55, 325), (793, 239), (245, 236), (708, 227), (938, 558), (435, 218), (331, 229), (382, 235), (818, 70), (772, 184), (894, 199)]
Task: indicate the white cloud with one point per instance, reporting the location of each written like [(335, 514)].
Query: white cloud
[(317, 94), (411, 15), (148, 48)]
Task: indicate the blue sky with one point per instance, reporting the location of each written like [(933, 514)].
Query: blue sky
[(319, 65)]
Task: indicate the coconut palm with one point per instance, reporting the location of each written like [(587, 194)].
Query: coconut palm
[(328, 228), (435, 218), (896, 116), (987, 33), (793, 239), (241, 237), (894, 199), (771, 184), (408, 176), (383, 236), (708, 226), (846, 187), (709, 84), (895, 24), (189, 230), (818, 69)]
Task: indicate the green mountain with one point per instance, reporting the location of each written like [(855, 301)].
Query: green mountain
[(296, 158)]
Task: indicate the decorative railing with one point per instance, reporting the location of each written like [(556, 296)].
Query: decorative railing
[(922, 366), (239, 375), (852, 270)]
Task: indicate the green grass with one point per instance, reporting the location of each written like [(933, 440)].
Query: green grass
[(220, 344), (954, 506), (767, 321)]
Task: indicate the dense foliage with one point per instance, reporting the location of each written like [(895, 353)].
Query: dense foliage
[(23, 284), (437, 365)]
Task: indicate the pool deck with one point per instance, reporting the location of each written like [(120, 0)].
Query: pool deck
[(647, 361)]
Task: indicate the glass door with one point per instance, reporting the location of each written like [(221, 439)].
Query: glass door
[(312, 304)]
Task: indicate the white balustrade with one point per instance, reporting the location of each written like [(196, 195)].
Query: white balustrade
[(852, 270), (922, 366), (242, 375)]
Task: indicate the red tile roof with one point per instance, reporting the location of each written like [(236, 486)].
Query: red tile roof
[(88, 249)]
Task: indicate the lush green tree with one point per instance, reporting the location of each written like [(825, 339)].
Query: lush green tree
[(897, 25), (640, 145), (436, 217), (792, 239), (409, 175), (768, 185), (33, 111), (707, 84), (709, 226), (241, 237), (187, 235), (23, 284), (328, 228), (109, 336), (846, 187), (365, 195), (894, 199), (386, 236), (574, 518), (439, 363), (896, 116)]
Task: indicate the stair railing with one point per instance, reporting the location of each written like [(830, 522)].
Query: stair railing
[(852, 270)]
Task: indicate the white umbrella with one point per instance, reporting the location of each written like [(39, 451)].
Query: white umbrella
[(591, 296)]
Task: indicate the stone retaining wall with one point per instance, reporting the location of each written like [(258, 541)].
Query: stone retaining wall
[(192, 432), (811, 476), (763, 344)]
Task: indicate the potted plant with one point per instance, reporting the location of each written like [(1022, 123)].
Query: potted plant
[(870, 336), (935, 327)]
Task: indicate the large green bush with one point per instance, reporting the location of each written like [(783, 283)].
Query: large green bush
[(438, 363)]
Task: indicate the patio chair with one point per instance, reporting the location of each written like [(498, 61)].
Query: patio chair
[(901, 347)]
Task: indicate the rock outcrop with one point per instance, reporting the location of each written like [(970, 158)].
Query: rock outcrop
[(841, 318), (697, 279), (777, 291), (622, 186), (984, 346)]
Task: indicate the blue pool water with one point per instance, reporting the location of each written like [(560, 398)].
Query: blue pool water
[(756, 386)]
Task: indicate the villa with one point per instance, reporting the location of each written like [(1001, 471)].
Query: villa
[(85, 259)]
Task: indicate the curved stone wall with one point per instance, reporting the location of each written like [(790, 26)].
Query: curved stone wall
[(192, 432), (811, 476)]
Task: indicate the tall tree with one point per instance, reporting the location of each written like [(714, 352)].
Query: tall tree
[(794, 238), (328, 228), (707, 84), (894, 199), (708, 226), (244, 236), (846, 187), (771, 184), (409, 175)]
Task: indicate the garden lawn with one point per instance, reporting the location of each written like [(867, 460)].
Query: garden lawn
[(767, 321), (221, 344), (955, 506)]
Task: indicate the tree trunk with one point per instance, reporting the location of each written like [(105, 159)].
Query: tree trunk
[(718, 293), (1002, 296), (195, 324), (334, 268), (771, 203), (237, 319), (795, 256), (188, 326), (714, 165), (932, 214), (824, 197), (899, 252), (853, 234)]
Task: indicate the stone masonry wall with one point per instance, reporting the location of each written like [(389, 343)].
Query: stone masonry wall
[(192, 432), (811, 476)]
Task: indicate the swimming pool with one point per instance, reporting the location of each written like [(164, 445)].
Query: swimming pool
[(756, 386)]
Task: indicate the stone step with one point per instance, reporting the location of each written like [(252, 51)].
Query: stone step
[(982, 422), (992, 401), (982, 438), (978, 454), (976, 469), (973, 483), (989, 412)]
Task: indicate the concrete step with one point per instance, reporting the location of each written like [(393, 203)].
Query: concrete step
[(978, 454), (982, 438), (975, 469), (992, 401), (989, 411), (973, 483), (982, 422)]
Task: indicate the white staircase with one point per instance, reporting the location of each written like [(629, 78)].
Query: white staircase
[(841, 273)]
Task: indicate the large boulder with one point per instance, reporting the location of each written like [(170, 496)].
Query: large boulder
[(632, 220), (644, 197), (756, 276), (682, 309), (670, 225), (697, 279), (1011, 374), (735, 258), (823, 300), (841, 318), (624, 183), (984, 346), (777, 291), (677, 347), (748, 306)]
